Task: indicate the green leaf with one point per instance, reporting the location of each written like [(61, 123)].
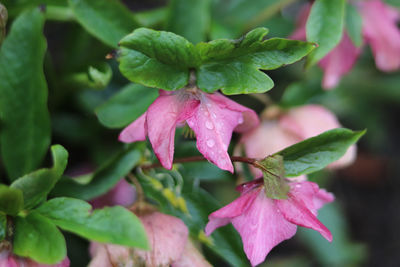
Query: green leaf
[(38, 238), (3, 226), (163, 60), (11, 200), (325, 27), (190, 19), (97, 77), (24, 117), (354, 24), (124, 107), (106, 177), (152, 18), (38, 184), (115, 225), (301, 93), (316, 153), (274, 177), (234, 66), (108, 20), (156, 58)]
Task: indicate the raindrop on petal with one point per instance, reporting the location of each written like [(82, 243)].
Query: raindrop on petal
[(210, 143), (209, 125)]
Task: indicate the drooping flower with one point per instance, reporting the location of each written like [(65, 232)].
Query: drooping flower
[(379, 30), (170, 246), (339, 62), (263, 223), (8, 259), (297, 124), (212, 117)]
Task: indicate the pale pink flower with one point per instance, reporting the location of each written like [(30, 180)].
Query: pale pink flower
[(292, 127), (7, 259), (381, 32), (263, 223), (169, 243), (213, 118), (191, 257)]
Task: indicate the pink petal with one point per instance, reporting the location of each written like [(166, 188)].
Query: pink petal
[(250, 118), (135, 131), (309, 120), (300, 31), (300, 208), (224, 215), (381, 31), (162, 117), (213, 125), (262, 227), (191, 257), (167, 235), (122, 194), (63, 263), (7, 259), (338, 62), (106, 255), (322, 197)]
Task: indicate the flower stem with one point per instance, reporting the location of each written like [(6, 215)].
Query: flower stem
[(201, 158), (251, 161)]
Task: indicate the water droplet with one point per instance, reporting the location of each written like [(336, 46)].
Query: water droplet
[(208, 105), (277, 210), (298, 185), (206, 113), (210, 143), (240, 120), (209, 125), (213, 115)]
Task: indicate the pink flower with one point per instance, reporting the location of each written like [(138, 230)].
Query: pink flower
[(213, 118), (292, 127), (170, 246), (338, 62), (379, 30), (7, 259), (263, 223)]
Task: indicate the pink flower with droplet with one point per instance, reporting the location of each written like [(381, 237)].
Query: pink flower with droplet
[(212, 117), (263, 223), (379, 30)]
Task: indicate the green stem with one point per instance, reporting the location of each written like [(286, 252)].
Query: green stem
[(250, 161)]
